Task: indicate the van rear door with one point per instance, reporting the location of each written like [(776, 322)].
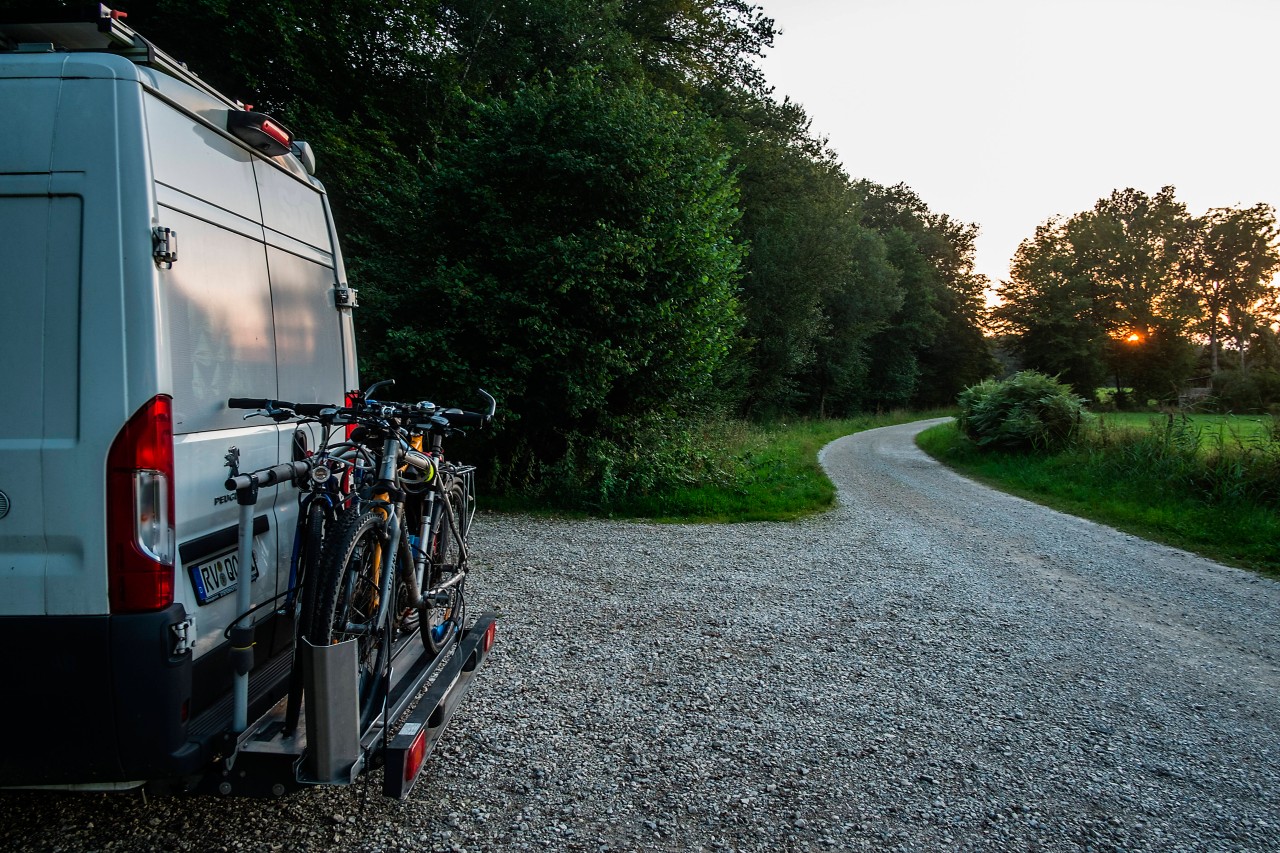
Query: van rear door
[(215, 301), (39, 348)]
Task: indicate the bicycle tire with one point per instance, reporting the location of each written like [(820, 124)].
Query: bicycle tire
[(441, 615), (347, 604), (309, 563), (310, 537)]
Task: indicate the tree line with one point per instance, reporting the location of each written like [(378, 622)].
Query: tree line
[(1139, 294), (598, 210)]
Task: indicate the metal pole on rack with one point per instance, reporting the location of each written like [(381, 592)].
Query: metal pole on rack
[(246, 488), (241, 634)]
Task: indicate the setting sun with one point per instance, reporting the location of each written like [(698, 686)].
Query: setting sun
[(1134, 338)]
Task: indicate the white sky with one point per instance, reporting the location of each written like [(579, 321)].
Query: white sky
[(1007, 112)]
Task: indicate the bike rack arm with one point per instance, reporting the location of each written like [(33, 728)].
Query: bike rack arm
[(242, 640)]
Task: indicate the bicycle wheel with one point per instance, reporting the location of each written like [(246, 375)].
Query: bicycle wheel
[(311, 538), (441, 612), (348, 603)]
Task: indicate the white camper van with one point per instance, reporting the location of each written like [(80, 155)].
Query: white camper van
[(162, 249)]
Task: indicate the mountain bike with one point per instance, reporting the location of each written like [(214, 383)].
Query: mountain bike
[(334, 474), (395, 562)]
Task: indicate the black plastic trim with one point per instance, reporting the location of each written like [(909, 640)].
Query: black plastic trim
[(219, 540), (94, 699)]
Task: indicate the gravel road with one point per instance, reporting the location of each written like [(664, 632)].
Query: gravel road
[(931, 666)]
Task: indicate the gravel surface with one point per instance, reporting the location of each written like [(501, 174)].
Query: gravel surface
[(931, 666)]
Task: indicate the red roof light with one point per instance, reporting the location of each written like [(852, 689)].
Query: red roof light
[(259, 131)]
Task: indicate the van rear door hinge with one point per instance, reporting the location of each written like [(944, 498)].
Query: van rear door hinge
[(164, 246), (345, 297), (185, 634)]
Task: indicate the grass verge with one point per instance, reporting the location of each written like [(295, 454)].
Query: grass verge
[(1081, 482), (752, 473)]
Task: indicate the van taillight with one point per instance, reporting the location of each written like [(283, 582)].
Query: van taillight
[(140, 534), (351, 398)]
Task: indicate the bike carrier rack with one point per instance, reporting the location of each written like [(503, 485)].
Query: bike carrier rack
[(266, 758)]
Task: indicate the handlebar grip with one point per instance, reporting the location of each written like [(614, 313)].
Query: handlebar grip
[(282, 472), (250, 403), (465, 418)]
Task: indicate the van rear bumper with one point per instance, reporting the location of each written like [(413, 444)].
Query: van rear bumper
[(94, 699)]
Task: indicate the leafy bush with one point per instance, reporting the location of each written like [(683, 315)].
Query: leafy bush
[(1027, 411), (1241, 391)]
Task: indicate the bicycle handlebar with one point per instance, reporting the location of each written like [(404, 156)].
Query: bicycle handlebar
[(257, 403), (457, 417), (417, 413)]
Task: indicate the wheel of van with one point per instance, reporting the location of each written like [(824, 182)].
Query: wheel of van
[(442, 613), (347, 604)]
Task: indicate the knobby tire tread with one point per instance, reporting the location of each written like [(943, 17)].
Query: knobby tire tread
[(441, 544), (332, 606)]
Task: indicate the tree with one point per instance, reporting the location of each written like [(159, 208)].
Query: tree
[(1103, 293), (858, 305), (578, 258), (933, 346), (1231, 261), (687, 44)]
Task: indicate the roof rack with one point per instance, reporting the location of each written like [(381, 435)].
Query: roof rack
[(99, 28)]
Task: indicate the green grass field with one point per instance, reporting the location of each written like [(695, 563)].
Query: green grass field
[(1212, 428), (1186, 500), (769, 473)]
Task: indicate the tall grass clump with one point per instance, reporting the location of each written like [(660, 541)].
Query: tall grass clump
[(1218, 466), (719, 470), (1026, 412)]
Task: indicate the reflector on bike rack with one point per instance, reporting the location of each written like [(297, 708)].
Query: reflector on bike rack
[(408, 750)]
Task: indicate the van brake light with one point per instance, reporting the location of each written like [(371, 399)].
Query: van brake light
[(259, 131), (140, 525)]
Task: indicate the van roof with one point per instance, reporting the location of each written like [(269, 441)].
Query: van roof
[(99, 44), (100, 30)]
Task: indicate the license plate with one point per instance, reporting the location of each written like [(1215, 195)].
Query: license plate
[(216, 576)]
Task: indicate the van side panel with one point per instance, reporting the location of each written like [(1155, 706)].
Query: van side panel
[(291, 208), (191, 158), (217, 303), (308, 327)]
